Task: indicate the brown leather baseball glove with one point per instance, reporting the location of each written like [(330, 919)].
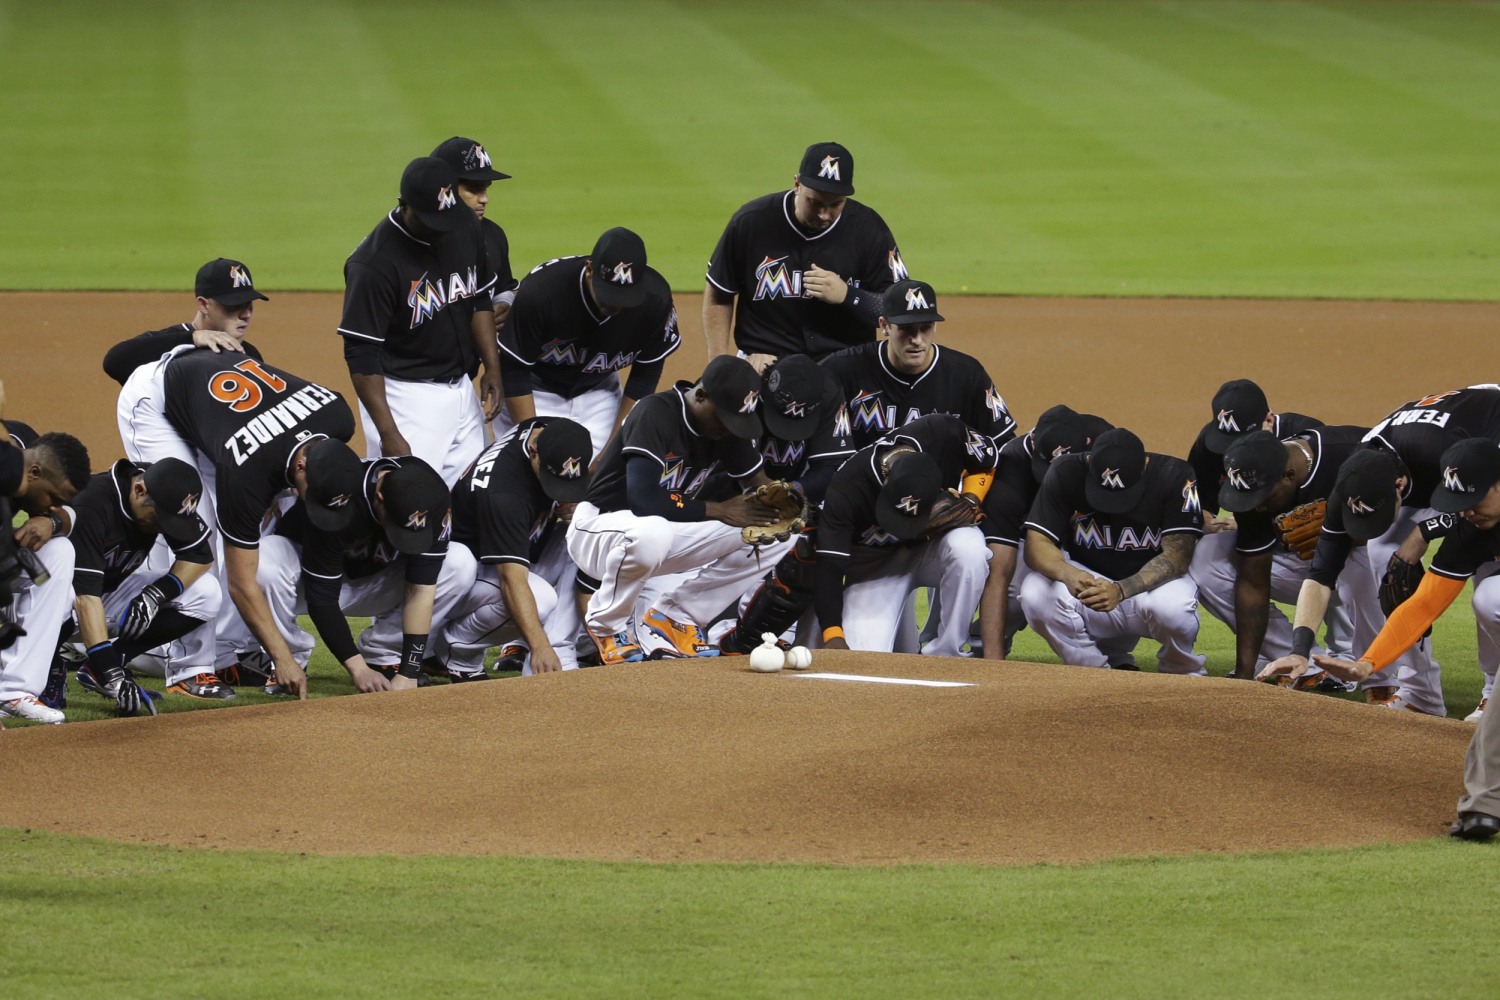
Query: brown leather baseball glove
[(789, 501), (1300, 527), (952, 510)]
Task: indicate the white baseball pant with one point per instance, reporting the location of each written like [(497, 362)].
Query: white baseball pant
[(441, 421), (623, 551), (481, 620), (1487, 620), (280, 577), (41, 610), (186, 655), (596, 410), (879, 580), (1168, 614)]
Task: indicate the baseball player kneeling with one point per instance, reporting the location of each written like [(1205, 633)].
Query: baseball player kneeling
[(645, 515), (1109, 540)]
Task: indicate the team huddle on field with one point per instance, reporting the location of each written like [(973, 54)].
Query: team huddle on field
[(530, 487)]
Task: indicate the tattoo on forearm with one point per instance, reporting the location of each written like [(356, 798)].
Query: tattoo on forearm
[(1176, 554)]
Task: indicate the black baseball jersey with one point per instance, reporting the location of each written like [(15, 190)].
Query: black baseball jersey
[(658, 428), (128, 355), (1420, 431), (1116, 545), (762, 256), (1330, 447), (1465, 549), (248, 418), (1209, 467), (497, 251), (848, 517), (1011, 494), (568, 345), (879, 400), (790, 460), (500, 510), (108, 543), (417, 299)]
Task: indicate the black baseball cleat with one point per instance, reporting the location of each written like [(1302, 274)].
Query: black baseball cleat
[(1474, 826), (512, 659), (205, 687), (55, 694)]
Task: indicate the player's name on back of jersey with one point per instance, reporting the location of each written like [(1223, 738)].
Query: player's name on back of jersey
[(287, 415)]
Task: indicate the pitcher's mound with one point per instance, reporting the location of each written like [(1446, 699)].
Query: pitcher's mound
[(706, 761)]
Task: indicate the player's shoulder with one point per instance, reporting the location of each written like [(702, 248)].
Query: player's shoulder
[(766, 205), (852, 359), (1169, 469), (552, 273)]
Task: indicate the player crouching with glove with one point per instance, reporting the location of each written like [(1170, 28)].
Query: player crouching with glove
[(1109, 538), (645, 515)]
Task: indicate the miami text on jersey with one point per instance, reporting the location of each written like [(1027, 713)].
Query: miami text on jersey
[(427, 297), (1090, 534)]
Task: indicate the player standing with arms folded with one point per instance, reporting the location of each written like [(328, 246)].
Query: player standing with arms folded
[(800, 271)]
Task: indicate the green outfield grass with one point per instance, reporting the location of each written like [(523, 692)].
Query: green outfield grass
[(1341, 149)]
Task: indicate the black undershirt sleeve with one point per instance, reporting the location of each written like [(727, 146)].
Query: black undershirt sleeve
[(646, 497), (644, 377), (828, 591), (362, 357), (815, 482), (327, 617), (515, 378), (864, 304), (128, 355)]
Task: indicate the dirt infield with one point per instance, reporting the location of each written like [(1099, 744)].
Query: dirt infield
[(706, 761)]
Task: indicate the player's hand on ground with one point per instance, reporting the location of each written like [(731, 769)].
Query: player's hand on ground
[(1344, 670), (825, 286), (1101, 595), (545, 661), (366, 680), (489, 393), (1215, 523), (1292, 666), (760, 362), (292, 679), (394, 445), (742, 511), (217, 341), (35, 533)]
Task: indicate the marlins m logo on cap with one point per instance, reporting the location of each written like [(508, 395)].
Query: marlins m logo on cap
[(1227, 423), (238, 277), (1452, 482), (446, 198), (1237, 479), (1110, 479), (417, 520), (916, 300), (795, 409), (341, 500), (829, 168), (572, 468), (477, 157), (1359, 507), (189, 505), (907, 505), (622, 274), (751, 398)]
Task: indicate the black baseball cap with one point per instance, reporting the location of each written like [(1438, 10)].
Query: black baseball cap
[(909, 301), (1470, 468), (905, 500), (227, 282), (1239, 407), (1365, 492), (176, 489), (335, 476), (564, 449), (619, 260), (734, 388), (827, 166), (430, 187), (416, 506), (1059, 431), (1253, 465), (1117, 472), (792, 395), (468, 160)]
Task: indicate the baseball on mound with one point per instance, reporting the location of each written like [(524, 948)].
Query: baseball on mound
[(766, 658), (799, 658)]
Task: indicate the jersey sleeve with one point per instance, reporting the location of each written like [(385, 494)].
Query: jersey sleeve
[(1209, 468), (724, 266), (1255, 532), (647, 435), (369, 302), (193, 546), (668, 339), (521, 334), (1181, 510), (1005, 512), (883, 266), (742, 459), (1463, 551), (88, 541), (1051, 510), (506, 521), (240, 510)]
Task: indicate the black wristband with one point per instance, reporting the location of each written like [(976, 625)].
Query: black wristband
[(1302, 641), (169, 585), (412, 648)]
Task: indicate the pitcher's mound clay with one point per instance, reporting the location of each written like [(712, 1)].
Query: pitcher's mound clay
[(705, 761)]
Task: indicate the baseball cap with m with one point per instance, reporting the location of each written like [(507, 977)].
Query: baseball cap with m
[(906, 498), (828, 167), (335, 477), (619, 260), (430, 187), (792, 397), (1059, 431), (176, 489), (563, 451), (1253, 466), (416, 506), (1239, 407), (227, 282), (1117, 472), (909, 301), (1365, 492), (734, 389), (468, 159), (1470, 469)]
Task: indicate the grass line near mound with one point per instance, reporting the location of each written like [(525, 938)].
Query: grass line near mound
[(1248, 926)]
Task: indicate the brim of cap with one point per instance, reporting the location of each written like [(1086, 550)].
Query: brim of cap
[(1218, 441), (240, 297), (785, 427), (825, 185), (741, 425), (618, 296), (329, 518), (917, 317), (484, 174), (174, 523), (899, 525), (448, 221), (411, 541), (1114, 501), (1448, 502), (563, 490), (1242, 501)]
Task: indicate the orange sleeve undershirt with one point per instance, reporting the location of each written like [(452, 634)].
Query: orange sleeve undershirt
[(1407, 623), (978, 483)]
